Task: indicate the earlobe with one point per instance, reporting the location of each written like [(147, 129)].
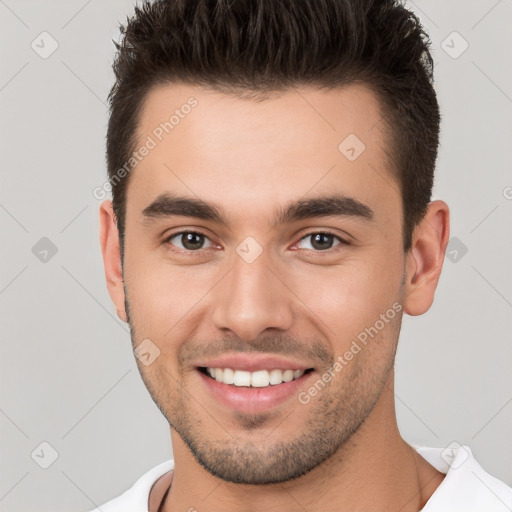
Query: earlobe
[(109, 241), (424, 260)]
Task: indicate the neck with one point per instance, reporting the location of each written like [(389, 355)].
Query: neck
[(374, 470)]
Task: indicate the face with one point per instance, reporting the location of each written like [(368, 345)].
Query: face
[(260, 239)]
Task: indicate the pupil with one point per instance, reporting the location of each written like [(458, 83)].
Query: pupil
[(322, 241), (192, 240)]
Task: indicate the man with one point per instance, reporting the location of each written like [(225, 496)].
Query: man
[(271, 164)]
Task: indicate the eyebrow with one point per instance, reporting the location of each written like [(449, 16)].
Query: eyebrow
[(167, 205)]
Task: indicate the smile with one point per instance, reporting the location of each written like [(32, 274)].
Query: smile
[(253, 392)]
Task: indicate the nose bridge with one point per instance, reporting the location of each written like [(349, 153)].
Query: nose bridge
[(251, 298)]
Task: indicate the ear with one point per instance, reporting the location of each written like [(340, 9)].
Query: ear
[(425, 258), (109, 241)]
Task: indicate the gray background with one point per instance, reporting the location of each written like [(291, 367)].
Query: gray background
[(68, 376)]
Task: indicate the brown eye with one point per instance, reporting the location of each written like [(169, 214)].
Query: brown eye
[(321, 241), (189, 240)]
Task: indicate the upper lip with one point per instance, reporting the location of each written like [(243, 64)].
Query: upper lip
[(254, 362)]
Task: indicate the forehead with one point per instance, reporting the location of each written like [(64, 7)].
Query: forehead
[(219, 147)]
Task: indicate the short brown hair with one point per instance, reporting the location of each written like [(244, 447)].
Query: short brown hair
[(249, 48)]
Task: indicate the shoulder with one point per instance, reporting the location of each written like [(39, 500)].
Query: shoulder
[(467, 486), (135, 499)]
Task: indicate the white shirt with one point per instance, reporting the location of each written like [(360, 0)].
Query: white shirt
[(465, 488)]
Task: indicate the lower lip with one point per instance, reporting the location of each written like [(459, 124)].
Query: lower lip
[(252, 399)]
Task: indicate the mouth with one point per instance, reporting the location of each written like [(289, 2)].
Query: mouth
[(253, 392)]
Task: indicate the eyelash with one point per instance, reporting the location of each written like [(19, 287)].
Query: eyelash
[(342, 242)]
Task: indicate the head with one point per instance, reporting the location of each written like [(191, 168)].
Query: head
[(295, 144)]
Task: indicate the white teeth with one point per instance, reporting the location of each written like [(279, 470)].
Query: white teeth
[(275, 376), (258, 379), (242, 378), (287, 375), (228, 376)]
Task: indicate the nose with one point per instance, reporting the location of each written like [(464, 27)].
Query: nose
[(251, 299)]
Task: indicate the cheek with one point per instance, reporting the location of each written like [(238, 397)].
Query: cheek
[(351, 297), (162, 294)]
